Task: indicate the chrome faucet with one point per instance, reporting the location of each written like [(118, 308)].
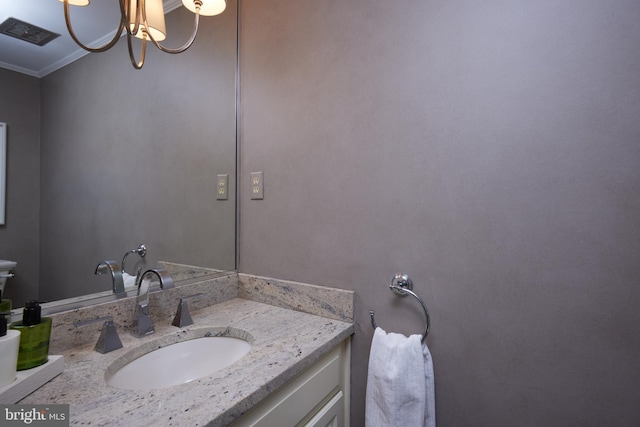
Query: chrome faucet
[(145, 324), (116, 274)]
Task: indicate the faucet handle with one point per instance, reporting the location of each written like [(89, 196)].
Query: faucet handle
[(109, 339), (182, 317)]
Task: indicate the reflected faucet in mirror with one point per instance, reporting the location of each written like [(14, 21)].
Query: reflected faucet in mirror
[(144, 324), (120, 278), (116, 274)]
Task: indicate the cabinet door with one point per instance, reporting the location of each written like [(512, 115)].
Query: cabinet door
[(331, 414)]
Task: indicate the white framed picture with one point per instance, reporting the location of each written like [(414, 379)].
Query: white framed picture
[(3, 170)]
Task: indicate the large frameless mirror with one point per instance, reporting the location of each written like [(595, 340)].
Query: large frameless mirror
[(123, 157)]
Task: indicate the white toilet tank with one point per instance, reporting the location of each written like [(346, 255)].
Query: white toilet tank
[(5, 271)]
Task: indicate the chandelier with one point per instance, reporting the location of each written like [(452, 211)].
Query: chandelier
[(144, 19)]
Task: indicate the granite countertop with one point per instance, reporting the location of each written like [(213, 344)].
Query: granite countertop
[(284, 343)]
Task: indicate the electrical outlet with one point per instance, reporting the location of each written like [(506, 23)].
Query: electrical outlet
[(257, 186), (222, 187)]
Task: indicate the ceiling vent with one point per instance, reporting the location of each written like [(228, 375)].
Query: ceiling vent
[(27, 32)]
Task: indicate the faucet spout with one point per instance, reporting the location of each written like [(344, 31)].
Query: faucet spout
[(144, 282), (145, 324), (116, 274)]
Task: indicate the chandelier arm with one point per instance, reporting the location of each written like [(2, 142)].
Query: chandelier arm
[(140, 7), (104, 48), (185, 46), (137, 65)]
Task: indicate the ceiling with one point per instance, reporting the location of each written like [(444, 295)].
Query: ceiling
[(93, 25)]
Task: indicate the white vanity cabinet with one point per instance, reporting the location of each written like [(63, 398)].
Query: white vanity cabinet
[(318, 397)]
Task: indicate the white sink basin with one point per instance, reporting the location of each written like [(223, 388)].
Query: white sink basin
[(179, 363)]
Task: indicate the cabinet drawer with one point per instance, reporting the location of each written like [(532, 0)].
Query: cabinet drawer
[(293, 402), (330, 415)]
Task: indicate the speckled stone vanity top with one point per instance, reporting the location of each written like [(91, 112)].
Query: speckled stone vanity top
[(284, 343)]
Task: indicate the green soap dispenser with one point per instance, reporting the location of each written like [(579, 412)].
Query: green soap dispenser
[(5, 304), (35, 332)]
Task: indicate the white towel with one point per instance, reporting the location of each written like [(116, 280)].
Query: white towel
[(129, 281), (400, 382)]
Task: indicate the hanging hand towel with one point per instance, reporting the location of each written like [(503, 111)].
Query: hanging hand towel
[(430, 410), (400, 387), (129, 281)]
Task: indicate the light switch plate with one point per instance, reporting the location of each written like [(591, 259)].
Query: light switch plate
[(257, 186), (222, 187)]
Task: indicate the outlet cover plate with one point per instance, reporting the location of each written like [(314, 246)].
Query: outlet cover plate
[(257, 186), (222, 187)]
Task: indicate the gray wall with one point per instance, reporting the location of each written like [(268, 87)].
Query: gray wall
[(19, 237), (489, 149)]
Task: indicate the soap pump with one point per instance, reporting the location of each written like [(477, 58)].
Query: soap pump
[(35, 332), (9, 345)]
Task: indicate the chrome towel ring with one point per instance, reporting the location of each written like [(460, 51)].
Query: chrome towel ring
[(401, 285)]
